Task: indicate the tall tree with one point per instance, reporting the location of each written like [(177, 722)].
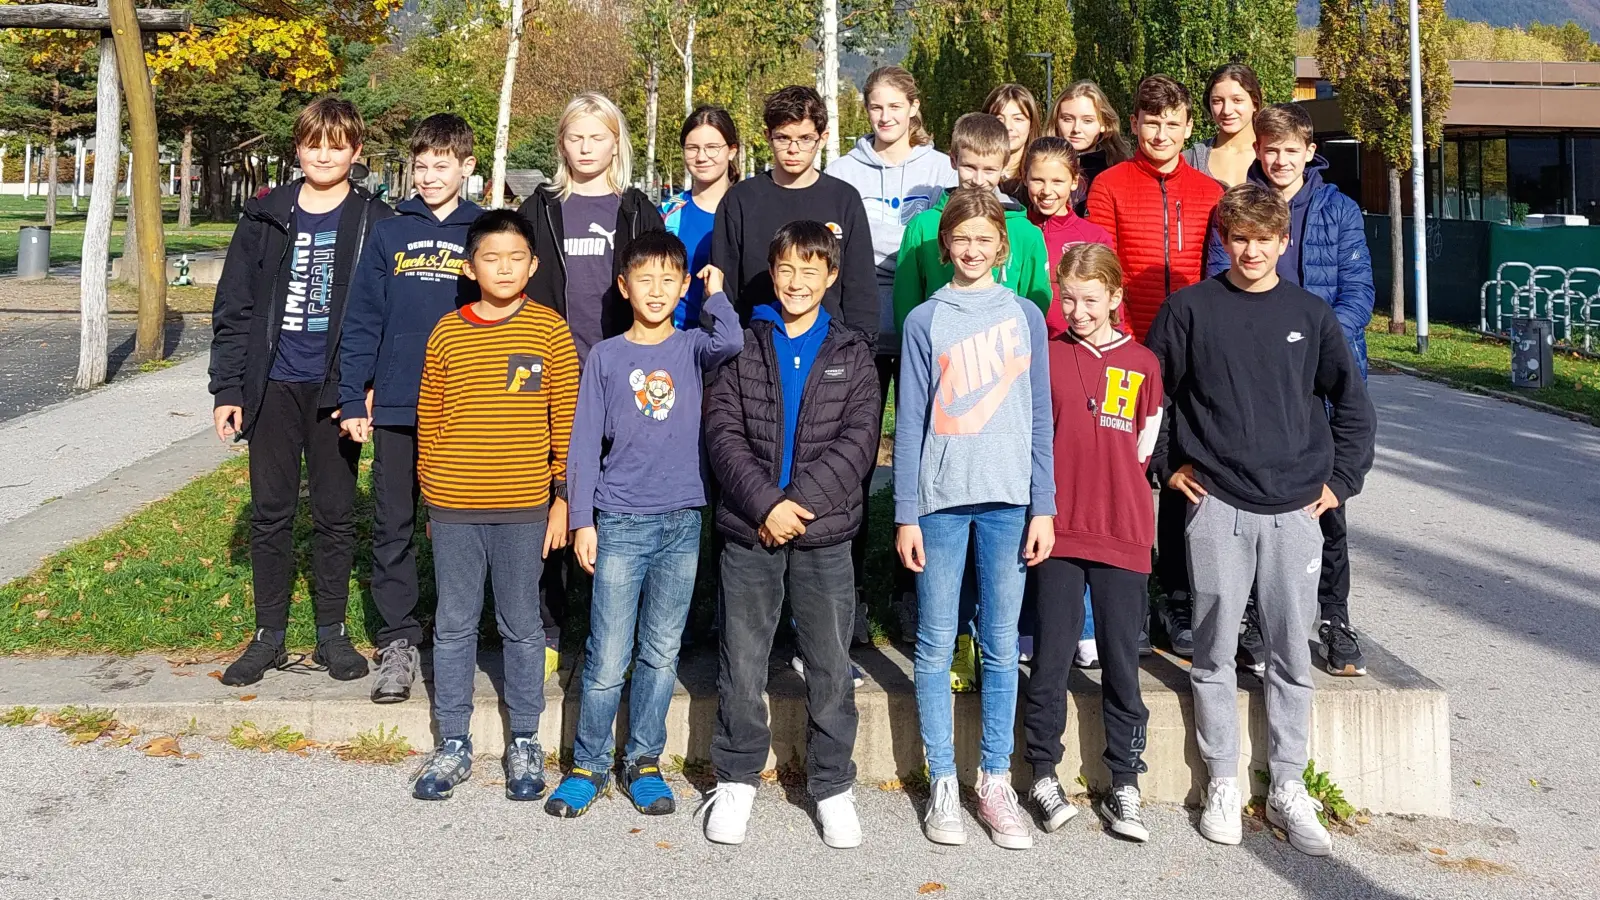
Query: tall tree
[(47, 93), (502, 127), (1364, 51)]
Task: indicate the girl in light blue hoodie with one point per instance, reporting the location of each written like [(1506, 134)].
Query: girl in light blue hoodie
[(898, 174)]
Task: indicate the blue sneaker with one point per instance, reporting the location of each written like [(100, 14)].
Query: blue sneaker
[(447, 767), (576, 793), (524, 764), (643, 784)]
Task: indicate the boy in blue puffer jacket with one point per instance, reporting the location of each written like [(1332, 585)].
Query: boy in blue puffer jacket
[(410, 278), (1327, 256)]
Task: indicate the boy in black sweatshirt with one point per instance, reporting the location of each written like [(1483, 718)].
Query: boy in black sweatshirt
[(411, 278), (276, 326), (1271, 427), (754, 210)]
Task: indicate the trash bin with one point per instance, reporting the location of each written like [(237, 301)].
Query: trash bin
[(33, 252), (1531, 341)]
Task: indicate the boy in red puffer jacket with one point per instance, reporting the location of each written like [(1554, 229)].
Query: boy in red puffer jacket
[(1156, 206), (1158, 210)]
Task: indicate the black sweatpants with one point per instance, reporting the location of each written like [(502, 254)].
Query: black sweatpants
[(290, 428), (1333, 593), (1172, 554), (1119, 598), (394, 516)]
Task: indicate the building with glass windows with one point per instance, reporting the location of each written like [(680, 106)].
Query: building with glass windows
[(1520, 138)]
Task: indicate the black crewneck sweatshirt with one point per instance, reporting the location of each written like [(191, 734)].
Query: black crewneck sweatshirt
[(1264, 398)]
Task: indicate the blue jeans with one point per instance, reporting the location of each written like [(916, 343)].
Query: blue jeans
[(999, 532), (509, 555), (658, 554)]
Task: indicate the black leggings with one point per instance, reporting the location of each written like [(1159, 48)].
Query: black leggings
[(1119, 598)]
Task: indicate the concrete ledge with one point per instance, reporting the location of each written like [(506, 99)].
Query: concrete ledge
[(1385, 739)]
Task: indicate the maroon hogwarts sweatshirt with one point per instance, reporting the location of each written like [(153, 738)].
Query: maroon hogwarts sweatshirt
[(1107, 408)]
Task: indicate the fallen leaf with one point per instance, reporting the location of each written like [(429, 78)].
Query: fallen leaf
[(1278, 833), (769, 776), (176, 527), (1363, 820), (1438, 851), (892, 784), (191, 756), (635, 830), (247, 698), (663, 845), (930, 887), (111, 565), (216, 635), (206, 562), (162, 746), (224, 601), (214, 673), (41, 614)]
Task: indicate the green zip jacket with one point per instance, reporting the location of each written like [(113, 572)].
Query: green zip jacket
[(920, 271)]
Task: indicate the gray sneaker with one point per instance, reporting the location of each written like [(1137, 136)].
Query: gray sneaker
[(524, 765), (445, 768), (943, 823), (398, 666)]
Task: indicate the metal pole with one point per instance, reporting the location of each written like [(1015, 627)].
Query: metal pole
[(1049, 74), (1419, 209)]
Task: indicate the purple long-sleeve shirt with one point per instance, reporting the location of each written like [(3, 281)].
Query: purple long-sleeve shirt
[(636, 436)]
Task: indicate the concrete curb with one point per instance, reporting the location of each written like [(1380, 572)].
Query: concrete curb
[(1385, 739), (1486, 392)]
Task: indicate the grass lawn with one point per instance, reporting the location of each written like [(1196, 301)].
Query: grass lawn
[(66, 238), (177, 576), (1470, 358)]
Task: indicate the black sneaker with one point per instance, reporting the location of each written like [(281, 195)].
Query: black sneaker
[(338, 655), (1342, 649), (1120, 809), (650, 793), (1176, 613), (1144, 638), (263, 653), (1252, 654)]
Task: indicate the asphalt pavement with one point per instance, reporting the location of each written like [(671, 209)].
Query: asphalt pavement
[(39, 355)]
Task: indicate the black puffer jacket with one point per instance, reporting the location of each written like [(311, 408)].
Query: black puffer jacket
[(635, 215), (835, 447)]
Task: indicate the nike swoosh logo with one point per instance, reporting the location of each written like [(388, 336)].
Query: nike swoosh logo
[(1295, 336)]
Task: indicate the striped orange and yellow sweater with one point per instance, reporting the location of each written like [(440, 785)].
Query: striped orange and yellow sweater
[(494, 416)]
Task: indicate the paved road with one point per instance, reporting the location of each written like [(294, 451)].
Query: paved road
[(39, 355), (1473, 561)]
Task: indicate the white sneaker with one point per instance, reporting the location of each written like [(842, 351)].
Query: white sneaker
[(856, 678), (1289, 807), (728, 812), (943, 823), (1088, 656), (841, 827), (1222, 819)]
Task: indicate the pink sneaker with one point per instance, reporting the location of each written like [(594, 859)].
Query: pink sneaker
[(999, 811)]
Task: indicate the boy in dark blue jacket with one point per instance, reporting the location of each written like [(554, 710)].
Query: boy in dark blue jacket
[(410, 279), (1327, 255)]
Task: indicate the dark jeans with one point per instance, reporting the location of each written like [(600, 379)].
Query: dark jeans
[(821, 599), (509, 556), (1333, 593), (394, 516), (289, 427), (1119, 598), (905, 583), (1172, 555)]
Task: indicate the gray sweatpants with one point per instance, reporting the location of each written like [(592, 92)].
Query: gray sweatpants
[(1282, 555)]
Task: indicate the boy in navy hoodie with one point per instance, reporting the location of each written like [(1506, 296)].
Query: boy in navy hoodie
[(1327, 255), (411, 278), (274, 373)]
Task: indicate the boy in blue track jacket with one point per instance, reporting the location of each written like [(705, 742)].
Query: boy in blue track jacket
[(409, 279), (1327, 256)]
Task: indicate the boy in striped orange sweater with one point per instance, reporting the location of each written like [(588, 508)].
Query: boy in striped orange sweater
[(494, 416)]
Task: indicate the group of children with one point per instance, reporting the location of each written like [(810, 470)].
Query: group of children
[(571, 384)]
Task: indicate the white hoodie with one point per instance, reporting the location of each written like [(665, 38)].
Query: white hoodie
[(892, 195)]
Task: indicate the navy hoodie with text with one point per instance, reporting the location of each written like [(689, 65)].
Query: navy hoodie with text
[(410, 278)]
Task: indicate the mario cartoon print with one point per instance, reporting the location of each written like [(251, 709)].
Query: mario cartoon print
[(653, 393)]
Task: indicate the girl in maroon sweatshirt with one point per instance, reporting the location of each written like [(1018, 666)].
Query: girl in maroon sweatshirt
[(1051, 172), (1105, 390)]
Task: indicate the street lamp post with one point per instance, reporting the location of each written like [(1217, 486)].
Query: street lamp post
[(1049, 74), (1419, 208)]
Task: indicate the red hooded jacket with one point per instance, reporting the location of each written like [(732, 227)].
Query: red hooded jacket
[(1158, 227)]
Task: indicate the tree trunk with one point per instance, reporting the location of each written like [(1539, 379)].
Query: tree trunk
[(219, 195), (652, 91), (130, 245), (145, 181), (502, 124), (688, 65), (51, 162), (27, 169), (1397, 256), (97, 227), (185, 188), (830, 73)]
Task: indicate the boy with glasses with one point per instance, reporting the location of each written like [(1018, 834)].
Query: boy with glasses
[(796, 125)]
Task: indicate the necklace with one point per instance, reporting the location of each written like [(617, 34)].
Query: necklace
[(1077, 366)]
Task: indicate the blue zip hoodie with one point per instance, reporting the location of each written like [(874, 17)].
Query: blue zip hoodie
[(409, 279), (795, 358)]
